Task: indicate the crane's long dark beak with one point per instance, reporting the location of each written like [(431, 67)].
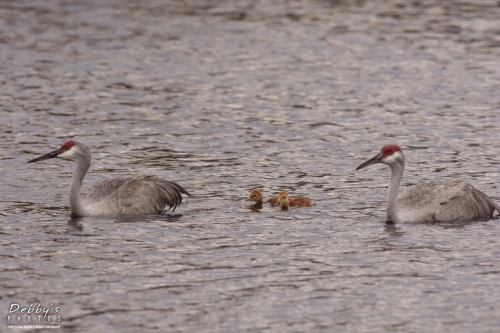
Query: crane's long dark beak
[(52, 154), (375, 159)]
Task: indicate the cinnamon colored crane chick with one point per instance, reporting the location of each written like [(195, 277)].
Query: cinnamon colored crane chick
[(286, 201), (256, 195)]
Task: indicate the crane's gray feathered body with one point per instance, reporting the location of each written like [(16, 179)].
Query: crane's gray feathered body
[(447, 201), (429, 202), (134, 195)]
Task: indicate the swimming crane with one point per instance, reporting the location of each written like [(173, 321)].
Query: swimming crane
[(134, 195), (429, 202)]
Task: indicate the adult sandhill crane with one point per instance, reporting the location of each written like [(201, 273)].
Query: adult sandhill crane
[(135, 195), (429, 202)]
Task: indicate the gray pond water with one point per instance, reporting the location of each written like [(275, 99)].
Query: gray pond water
[(226, 96)]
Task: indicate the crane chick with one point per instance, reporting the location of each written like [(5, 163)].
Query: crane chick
[(286, 201), (256, 195)]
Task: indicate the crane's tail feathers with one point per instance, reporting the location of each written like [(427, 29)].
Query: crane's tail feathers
[(488, 203), (172, 194)]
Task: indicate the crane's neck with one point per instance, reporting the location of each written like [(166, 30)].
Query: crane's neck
[(75, 202), (397, 169)]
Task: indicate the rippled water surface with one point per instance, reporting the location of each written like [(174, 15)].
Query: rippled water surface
[(226, 96)]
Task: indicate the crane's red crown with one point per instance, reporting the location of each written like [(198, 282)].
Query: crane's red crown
[(67, 146), (389, 149)]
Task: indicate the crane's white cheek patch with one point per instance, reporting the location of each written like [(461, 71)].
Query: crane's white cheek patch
[(392, 158), (67, 154)]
